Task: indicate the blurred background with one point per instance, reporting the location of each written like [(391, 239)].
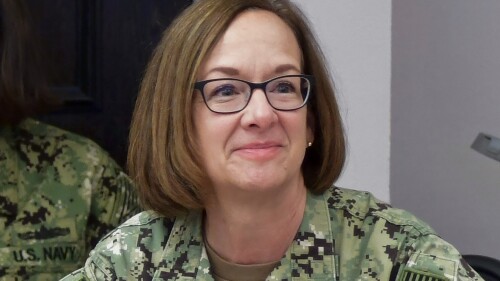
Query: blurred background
[(96, 52), (417, 81)]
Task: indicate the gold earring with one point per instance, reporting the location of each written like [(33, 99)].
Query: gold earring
[(309, 144)]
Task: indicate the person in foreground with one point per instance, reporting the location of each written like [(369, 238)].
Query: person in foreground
[(235, 144), (59, 192)]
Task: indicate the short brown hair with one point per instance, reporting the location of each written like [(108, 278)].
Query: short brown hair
[(23, 84), (163, 158)]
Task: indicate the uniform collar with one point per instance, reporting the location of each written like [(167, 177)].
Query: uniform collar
[(184, 255), (311, 255)]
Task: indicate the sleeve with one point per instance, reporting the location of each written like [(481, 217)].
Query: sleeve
[(435, 259), (77, 275), (133, 251), (90, 272), (109, 260), (113, 199)]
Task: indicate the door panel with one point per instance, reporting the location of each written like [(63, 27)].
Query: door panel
[(96, 52)]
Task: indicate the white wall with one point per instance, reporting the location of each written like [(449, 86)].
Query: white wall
[(445, 90), (356, 38)]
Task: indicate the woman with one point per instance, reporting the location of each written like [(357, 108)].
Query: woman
[(59, 192), (235, 143)]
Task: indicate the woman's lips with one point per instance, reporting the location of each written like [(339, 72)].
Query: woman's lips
[(259, 151)]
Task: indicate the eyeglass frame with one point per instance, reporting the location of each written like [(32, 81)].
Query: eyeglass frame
[(199, 85)]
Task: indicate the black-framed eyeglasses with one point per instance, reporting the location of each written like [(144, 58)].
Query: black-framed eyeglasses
[(230, 95)]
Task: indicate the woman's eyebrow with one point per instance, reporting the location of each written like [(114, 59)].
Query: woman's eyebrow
[(231, 71), (286, 67), (224, 70)]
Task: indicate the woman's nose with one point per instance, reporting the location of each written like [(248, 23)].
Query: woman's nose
[(258, 112)]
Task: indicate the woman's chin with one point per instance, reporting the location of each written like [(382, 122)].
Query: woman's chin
[(262, 184)]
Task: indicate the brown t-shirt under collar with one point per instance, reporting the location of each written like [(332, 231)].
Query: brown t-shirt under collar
[(223, 270)]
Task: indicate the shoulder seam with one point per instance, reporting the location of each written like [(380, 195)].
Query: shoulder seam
[(421, 228)]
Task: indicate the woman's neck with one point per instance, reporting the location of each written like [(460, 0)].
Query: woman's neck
[(256, 228)]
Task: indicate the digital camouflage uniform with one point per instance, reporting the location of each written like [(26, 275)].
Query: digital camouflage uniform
[(59, 194), (345, 235)]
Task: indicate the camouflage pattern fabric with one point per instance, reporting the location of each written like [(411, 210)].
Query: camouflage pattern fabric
[(345, 235), (59, 194)]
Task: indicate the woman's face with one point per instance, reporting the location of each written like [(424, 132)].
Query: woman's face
[(258, 148)]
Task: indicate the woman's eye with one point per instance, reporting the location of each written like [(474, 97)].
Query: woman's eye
[(226, 90), (284, 87)]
